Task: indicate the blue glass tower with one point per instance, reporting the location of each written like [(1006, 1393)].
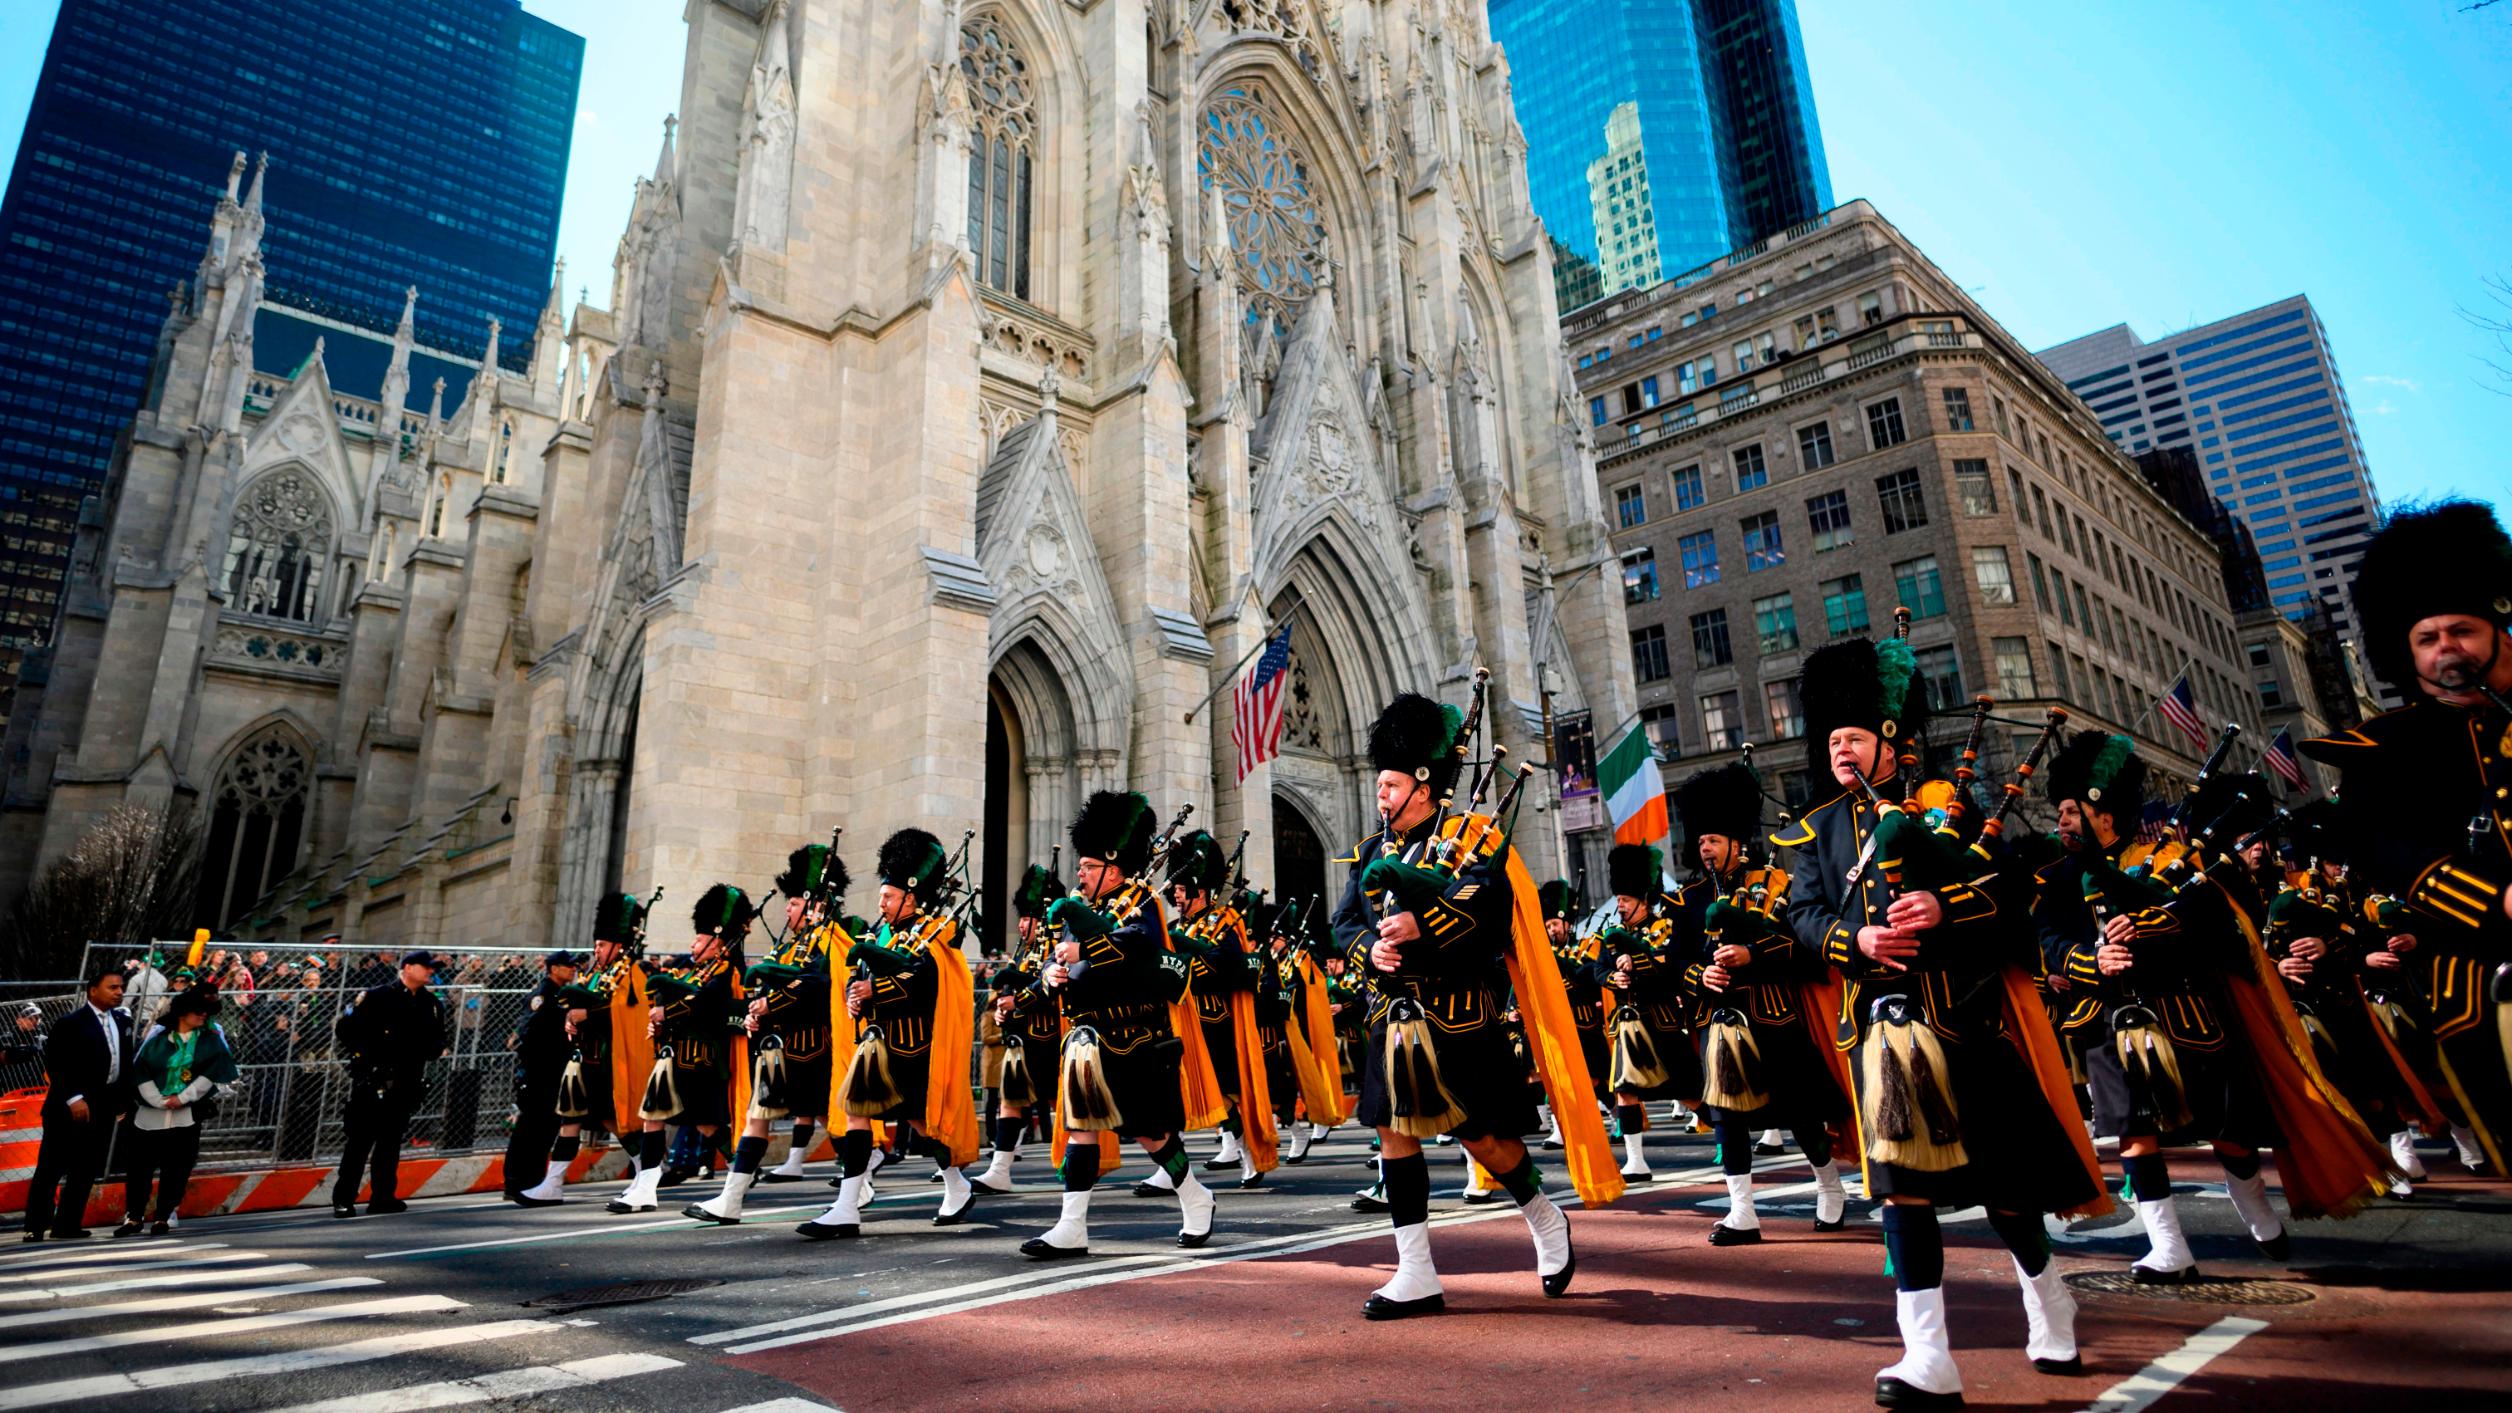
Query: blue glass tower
[(1726, 116), (410, 142)]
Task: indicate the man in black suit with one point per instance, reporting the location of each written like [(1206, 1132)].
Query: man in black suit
[(390, 1035), (87, 1060)]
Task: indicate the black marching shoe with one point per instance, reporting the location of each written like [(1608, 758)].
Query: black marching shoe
[(1725, 1235), (390, 1206), (1038, 1248), (1557, 1284), (1252, 1180), (68, 1234), (2279, 1247), (31, 1237), (1840, 1223), (2147, 1275), (818, 1231), (130, 1227), (344, 1209), (674, 1177), (1379, 1307), (160, 1227), (1893, 1393), (1146, 1189), (2066, 1368)]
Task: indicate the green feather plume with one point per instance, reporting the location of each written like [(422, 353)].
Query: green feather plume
[(1895, 666), (2106, 766)]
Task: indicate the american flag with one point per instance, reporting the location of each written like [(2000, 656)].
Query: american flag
[(2180, 708), (2280, 758), (1256, 705)]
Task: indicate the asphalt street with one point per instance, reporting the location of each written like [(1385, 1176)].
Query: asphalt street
[(471, 1302)]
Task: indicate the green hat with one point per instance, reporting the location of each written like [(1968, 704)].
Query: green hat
[(1038, 888), (808, 869), (1725, 800), (2099, 770), (913, 860), (1860, 682), (1115, 826), (1196, 861), (616, 917), (1418, 737), (1555, 898), (1635, 870), (723, 911)]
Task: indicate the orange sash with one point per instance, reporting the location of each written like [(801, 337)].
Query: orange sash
[(1315, 1058), (2029, 1022), (1544, 1007), (950, 1105), (632, 1051), (845, 1033)]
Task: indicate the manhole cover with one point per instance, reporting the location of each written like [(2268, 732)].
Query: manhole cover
[(2206, 1290), (624, 1293)]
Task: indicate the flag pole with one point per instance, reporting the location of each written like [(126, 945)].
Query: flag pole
[(2177, 678), (1231, 677)]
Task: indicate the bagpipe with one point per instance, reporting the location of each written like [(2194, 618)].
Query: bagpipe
[(575, 1093), (1741, 915), (870, 1086), (1088, 1100)]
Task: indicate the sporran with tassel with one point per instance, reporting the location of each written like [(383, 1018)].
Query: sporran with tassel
[(1905, 1101), (1088, 1099), (1017, 1091), (662, 1090), (574, 1100), (2152, 1068), (1418, 1100), (870, 1090), (1637, 1064), (1733, 1078)]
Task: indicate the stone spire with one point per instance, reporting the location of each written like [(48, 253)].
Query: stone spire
[(666, 162), (253, 198), (488, 359), (396, 392), (549, 335)]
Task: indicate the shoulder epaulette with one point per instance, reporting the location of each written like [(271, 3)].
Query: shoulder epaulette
[(1803, 833)]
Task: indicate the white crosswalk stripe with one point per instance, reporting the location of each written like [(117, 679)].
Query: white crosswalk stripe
[(168, 1263), (70, 1254), (189, 1300), (512, 1383), (224, 1276), (296, 1361), (219, 1329)]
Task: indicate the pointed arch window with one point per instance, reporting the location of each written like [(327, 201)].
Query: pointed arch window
[(436, 508), (276, 548), (1002, 150), (505, 450), (1277, 225), (256, 825)]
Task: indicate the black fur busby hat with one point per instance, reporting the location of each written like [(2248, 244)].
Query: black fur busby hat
[(725, 911), (2101, 770), (1863, 683), (915, 861), (616, 917), (1635, 870), (1726, 800), (1115, 826), (1195, 861), (1418, 737), (810, 869), (1556, 899), (1037, 889), (2449, 557)]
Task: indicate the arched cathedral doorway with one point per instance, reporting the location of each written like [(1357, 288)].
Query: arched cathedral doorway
[(1007, 800), (1299, 864)]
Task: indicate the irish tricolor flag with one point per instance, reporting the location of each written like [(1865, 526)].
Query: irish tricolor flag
[(1635, 794)]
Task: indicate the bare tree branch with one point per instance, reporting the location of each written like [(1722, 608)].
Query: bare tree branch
[(129, 879), (2496, 324)]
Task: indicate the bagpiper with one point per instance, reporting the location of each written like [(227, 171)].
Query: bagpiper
[(1753, 1010), (1027, 1094), (2424, 802), (787, 1022), (1956, 1108), (542, 1052), (1439, 916), (1111, 980), (909, 1007), (1651, 1029), (609, 1049), (697, 1062), (1575, 954), (1222, 975)]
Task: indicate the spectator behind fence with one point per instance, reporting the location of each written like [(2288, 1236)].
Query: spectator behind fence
[(22, 1054), (182, 1063), (390, 1033), (87, 1060)]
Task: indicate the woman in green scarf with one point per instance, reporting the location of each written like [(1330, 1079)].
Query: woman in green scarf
[(180, 1063)]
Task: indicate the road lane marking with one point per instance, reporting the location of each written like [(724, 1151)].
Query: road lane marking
[(784, 1405), (219, 1329), (295, 1361), (189, 1300), (247, 1273), (752, 1217), (187, 1259), (2140, 1390), (70, 1255), (487, 1388), (825, 1317)]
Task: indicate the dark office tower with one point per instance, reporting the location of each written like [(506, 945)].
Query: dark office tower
[(408, 140), (1771, 147)]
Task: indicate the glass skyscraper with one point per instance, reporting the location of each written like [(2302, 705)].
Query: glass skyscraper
[(410, 142), (1729, 148)]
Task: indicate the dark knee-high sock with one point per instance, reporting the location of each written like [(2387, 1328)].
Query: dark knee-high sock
[(566, 1148), (2243, 1166), (651, 1146), (1735, 1146), (854, 1152), (1081, 1163), (1522, 1183), (1007, 1133), (2025, 1236), (1629, 1119), (1815, 1143), (1408, 1189), (747, 1153), (1170, 1159), (1914, 1246), (804, 1131), (2149, 1180)]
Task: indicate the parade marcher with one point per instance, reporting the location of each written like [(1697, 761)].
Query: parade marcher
[(1113, 980), (1223, 974), (1959, 1105), (1441, 918), (1756, 1022), (87, 1066), (2423, 803), (180, 1065), (1027, 1093), (698, 1066), (787, 1020), (1576, 956), (909, 1008), (609, 1051), (1309, 1073), (541, 1051), (1651, 1028), (391, 1033)]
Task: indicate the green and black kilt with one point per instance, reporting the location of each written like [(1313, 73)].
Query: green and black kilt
[(705, 1096), (1480, 1070), (1142, 1064), (2020, 1160), (1803, 1096), (1221, 1041), (1670, 1028), (600, 1113), (2221, 1088), (807, 1084), (1038, 1055)]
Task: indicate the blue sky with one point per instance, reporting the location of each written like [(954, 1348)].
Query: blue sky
[(2074, 165)]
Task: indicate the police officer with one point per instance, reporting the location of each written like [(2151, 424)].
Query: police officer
[(389, 1034), (541, 1050)]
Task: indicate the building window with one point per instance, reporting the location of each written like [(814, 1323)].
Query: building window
[(1814, 445), (1787, 710), (1700, 558), (257, 823), (505, 451), (2014, 669), (1710, 646), (1639, 577), (277, 546), (1992, 570), (1001, 149), (2015, 483), (1828, 515), (1845, 605), (1750, 470), (1922, 591), (1775, 624), (1648, 387), (2066, 539), (1941, 669), (436, 506), (1974, 485), (2258, 654), (1957, 410), (1631, 505), (1596, 412), (1762, 549), (1870, 309), (1688, 494), (2271, 694), (2040, 581), (2058, 587), (1905, 503), (1722, 721), (1884, 424), (1648, 653), (1664, 733), (2041, 508), (1276, 224), (2058, 669)]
